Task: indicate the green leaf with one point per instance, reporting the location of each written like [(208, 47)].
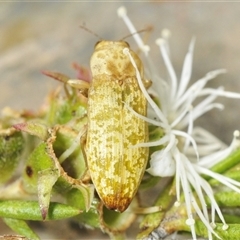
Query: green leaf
[(21, 227), (33, 128), (11, 147), (29, 210), (87, 193), (69, 109), (38, 161), (46, 179), (226, 199), (232, 233), (89, 218), (227, 163)]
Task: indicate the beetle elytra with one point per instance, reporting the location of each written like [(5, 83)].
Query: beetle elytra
[(116, 168)]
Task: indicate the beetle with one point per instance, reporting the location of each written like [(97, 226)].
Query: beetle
[(115, 166)]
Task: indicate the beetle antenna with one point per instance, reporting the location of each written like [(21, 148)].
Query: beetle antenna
[(148, 29), (90, 31)]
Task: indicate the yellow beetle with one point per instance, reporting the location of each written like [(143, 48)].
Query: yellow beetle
[(116, 168)]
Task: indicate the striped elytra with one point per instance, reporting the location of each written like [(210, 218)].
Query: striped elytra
[(115, 166)]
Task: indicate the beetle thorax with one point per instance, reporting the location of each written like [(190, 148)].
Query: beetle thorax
[(108, 58)]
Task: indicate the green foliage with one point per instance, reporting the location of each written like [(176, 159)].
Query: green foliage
[(11, 147)]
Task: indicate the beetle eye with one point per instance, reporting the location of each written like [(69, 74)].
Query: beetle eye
[(97, 44)]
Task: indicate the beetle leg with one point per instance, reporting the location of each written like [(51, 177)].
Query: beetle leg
[(79, 84)]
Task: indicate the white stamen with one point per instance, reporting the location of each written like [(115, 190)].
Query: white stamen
[(149, 120), (187, 136), (142, 87), (168, 64), (166, 33), (225, 227), (187, 70), (190, 221), (122, 12), (177, 204)]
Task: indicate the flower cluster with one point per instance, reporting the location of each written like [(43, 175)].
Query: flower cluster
[(189, 151)]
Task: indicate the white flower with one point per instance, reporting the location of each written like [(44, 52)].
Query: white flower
[(188, 151)]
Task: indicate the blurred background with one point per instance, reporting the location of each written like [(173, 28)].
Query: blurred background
[(39, 36)]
